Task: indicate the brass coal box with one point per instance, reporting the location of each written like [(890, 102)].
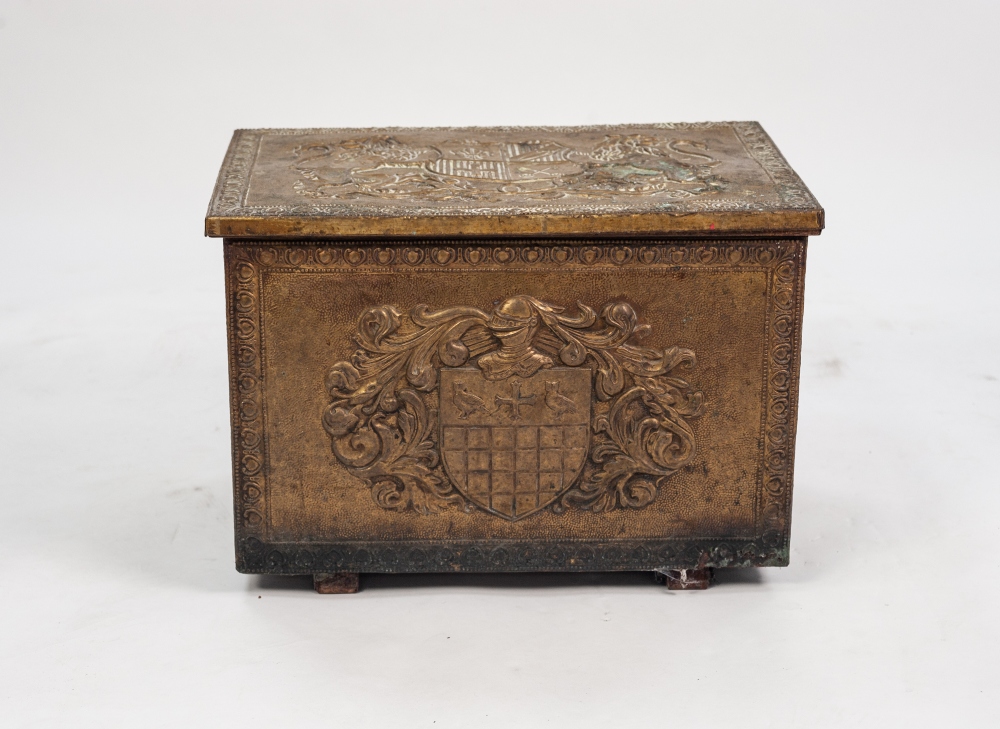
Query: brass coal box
[(512, 349)]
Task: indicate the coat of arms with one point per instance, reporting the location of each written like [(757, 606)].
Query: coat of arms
[(512, 411), (388, 167)]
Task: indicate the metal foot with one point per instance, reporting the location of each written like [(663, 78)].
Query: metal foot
[(686, 579), (335, 583)]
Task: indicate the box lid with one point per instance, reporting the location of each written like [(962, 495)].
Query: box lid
[(703, 179)]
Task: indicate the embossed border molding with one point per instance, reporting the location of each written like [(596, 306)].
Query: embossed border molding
[(796, 212), (784, 260)]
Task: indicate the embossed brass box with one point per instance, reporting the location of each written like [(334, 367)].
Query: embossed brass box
[(512, 349)]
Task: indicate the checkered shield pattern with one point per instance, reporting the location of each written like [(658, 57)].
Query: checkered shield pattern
[(514, 460)]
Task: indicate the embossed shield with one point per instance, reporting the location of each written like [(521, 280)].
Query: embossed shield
[(513, 446), (524, 162)]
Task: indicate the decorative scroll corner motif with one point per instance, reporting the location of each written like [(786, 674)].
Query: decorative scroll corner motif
[(234, 178), (511, 411), (246, 392), (791, 188)]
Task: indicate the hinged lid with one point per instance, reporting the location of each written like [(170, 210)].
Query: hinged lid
[(704, 179)]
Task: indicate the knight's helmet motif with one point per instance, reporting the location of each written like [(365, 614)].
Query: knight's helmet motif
[(515, 323)]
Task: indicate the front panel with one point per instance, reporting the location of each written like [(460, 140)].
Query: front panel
[(484, 405)]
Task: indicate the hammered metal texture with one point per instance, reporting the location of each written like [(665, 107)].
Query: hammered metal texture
[(714, 178), (513, 404)]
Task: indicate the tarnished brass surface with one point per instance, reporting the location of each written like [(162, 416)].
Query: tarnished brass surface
[(502, 349), (706, 179), (513, 404)]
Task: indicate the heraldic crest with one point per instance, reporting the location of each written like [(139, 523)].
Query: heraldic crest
[(468, 170), (512, 411)]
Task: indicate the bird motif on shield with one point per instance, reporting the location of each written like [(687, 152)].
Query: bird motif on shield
[(521, 457), (510, 412), (467, 402), (556, 401)]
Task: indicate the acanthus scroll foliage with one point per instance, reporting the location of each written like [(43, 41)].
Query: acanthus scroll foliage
[(645, 439), (379, 424), (381, 418)]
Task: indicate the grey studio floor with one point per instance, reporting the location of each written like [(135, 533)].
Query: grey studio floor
[(120, 604)]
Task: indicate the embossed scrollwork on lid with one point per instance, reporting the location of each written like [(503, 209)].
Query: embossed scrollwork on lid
[(507, 171), (393, 167)]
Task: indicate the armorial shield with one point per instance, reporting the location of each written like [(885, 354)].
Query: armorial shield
[(515, 430), (515, 445)]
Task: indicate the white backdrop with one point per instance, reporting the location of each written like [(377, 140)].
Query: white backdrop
[(120, 603)]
